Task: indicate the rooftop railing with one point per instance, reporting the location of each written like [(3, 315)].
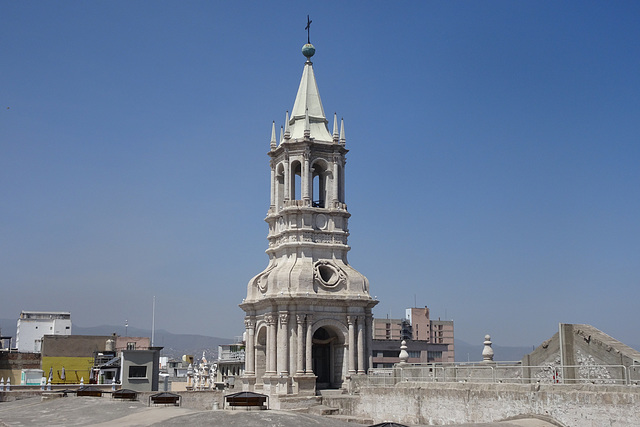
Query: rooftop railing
[(506, 373)]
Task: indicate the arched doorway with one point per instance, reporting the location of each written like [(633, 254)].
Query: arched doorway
[(327, 356), (260, 354)]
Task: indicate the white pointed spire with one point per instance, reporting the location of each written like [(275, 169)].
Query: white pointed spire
[(281, 135), (273, 135), (287, 133), (335, 127), (308, 99), (342, 139)]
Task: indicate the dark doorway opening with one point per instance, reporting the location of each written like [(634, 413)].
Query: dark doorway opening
[(322, 358)]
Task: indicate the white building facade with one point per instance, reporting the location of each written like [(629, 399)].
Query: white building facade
[(308, 314), (33, 325)]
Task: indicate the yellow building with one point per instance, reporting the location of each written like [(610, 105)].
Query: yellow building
[(68, 359)]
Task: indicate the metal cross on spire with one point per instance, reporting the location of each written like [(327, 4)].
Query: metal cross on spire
[(307, 28)]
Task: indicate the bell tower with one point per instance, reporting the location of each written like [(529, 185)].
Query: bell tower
[(308, 313)]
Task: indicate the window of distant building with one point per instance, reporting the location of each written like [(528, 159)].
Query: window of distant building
[(434, 355), (137, 372), (414, 354), (131, 346)]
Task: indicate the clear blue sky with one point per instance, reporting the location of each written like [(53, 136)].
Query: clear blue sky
[(493, 173)]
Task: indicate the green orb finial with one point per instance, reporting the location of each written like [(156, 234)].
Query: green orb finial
[(308, 50)]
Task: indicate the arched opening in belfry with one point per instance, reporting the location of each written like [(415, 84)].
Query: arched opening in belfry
[(261, 353), (328, 356), (296, 180), (341, 197), (279, 190), (319, 191)]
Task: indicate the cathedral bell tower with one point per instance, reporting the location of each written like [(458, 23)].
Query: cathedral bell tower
[(308, 314)]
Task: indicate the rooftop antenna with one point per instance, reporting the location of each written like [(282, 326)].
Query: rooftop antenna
[(153, 321), (308, 29), (126, 328)]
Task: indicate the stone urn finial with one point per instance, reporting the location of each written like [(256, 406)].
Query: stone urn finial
[(487, 352), (404, 356)]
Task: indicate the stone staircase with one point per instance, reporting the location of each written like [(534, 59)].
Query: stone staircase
[(326, 403)]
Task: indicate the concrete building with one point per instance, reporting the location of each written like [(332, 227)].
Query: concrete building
[(386, 353), (33, 325), (308, 314), (132, 343), (231, 362), (422, 328), (140, 369), (175, 368), (429, 341)]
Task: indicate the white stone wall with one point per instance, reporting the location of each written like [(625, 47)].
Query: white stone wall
[(441, 404)]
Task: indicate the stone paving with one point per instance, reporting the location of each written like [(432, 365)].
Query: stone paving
[(105, 412)]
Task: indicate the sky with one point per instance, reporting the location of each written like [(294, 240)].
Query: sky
[(493, 172)]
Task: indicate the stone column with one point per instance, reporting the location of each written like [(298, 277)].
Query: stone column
[(267, 362), (273, 183), (342, 187), (250, 359), (271, 344), (334, 190), (361, 345), (369, 339), (305, 176), (352, 345), (287, 180), (283, 345), (293, 344), (309, 364), (300, 361)]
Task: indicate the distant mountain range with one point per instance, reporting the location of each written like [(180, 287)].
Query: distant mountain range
[(174, 345)]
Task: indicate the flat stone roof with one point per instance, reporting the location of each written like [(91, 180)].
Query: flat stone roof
[(105, 412)]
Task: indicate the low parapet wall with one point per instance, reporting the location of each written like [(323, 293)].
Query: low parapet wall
[(449, 403), (200, 400)]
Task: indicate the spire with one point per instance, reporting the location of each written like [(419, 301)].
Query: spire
[(273, 135), (308, 98), (281, 134), (335, 127), (342, 139), (287, 133)]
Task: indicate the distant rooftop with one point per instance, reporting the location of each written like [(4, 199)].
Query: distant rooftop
[(45, 314)]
